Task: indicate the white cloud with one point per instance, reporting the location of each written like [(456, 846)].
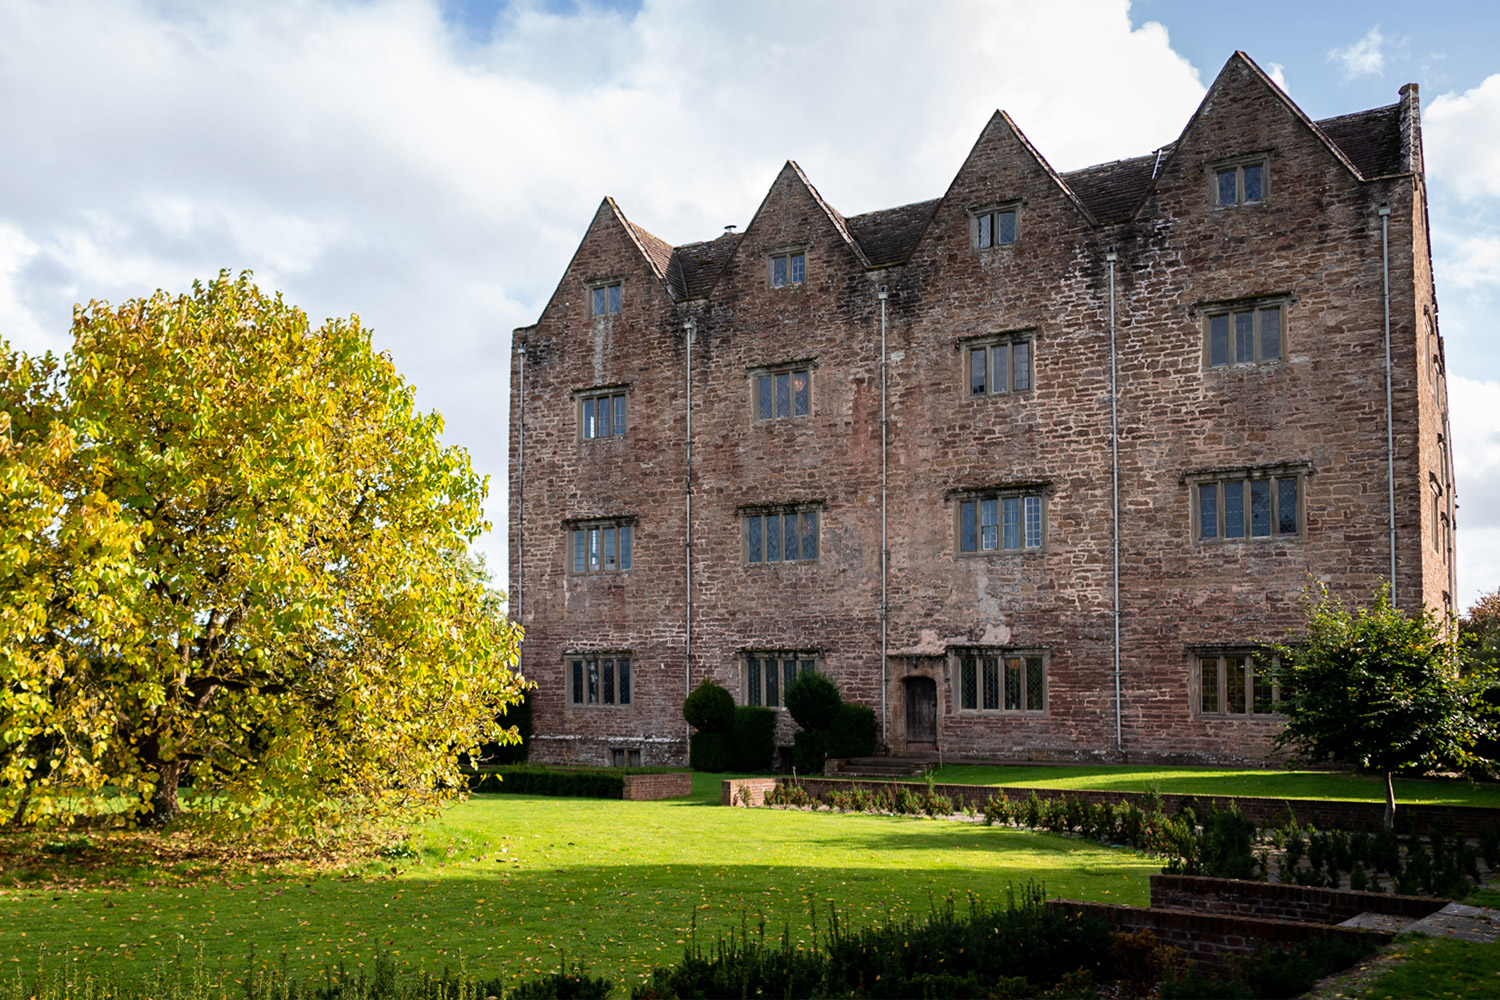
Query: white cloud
[(1277, 73), (1461, 136), (1476, 465), (1471, 262), (363, 157), (1363, 58)]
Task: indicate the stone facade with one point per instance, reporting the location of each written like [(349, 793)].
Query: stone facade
[(1008, 651)]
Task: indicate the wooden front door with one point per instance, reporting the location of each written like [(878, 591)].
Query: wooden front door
[(921, 713)]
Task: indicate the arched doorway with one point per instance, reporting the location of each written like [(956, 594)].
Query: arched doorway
[(921, 713)]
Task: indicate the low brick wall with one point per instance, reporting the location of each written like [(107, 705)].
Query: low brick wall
[(1281, 902), (1214, 941), (668, 785), (745, 791), (1325, 814)]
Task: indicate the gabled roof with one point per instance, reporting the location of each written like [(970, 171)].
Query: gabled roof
[(1369, 143)]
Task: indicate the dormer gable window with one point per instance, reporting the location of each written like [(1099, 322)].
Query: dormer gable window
[(996, 226), (788, 268), (1242, 183), (604, 299)]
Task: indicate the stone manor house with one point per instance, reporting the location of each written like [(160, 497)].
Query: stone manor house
[(1030, 468)]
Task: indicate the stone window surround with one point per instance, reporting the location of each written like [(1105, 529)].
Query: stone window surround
[(1206, 311), (794, 255), (613, 289), (745, 512), (755, 373), (1030, 657), (1256, 158), (1299, 471), (987, 341), (1020, 488), (576, 665), (1220, 653), (807, 660), (624, 544), (991, 211), (595, 392)]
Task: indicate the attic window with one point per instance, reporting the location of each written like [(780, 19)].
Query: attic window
[(788, 268), (1240, 184), (994, 227), (604, 299)]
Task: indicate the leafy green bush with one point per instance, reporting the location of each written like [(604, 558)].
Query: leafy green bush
[(808, 749), (709, 708), (753, 738), (710, 752), (852, 732), (813, 700), (997, 809)]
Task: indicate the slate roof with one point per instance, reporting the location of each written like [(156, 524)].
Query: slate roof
[(889, 235), (1371, 139), (1111, 192), (697, 265)]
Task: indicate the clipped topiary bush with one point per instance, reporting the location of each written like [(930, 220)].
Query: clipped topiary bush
[(711, 752), (852, 733), (813, 700), (753, 737), (709, 709), (808, 746)]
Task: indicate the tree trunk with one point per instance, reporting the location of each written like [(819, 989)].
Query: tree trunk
[(1390, 801), (19, 816), (165, 806)]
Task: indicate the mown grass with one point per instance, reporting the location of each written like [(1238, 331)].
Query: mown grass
[(1438, 967), (508, 884), (1227, 781)]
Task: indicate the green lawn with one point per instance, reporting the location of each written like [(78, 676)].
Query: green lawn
[(1439, 967), (505, 884), (1226, 781)]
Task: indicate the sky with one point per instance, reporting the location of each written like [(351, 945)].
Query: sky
[(431, 165)]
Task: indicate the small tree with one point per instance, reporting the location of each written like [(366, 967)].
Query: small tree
[(709, 709), (1379, 689)]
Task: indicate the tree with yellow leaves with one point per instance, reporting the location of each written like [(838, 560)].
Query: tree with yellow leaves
[(290, 621)]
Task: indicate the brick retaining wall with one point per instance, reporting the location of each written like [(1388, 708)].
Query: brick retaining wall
[(668, 785), (1233, 897), (1212, 940), (1325, 814)]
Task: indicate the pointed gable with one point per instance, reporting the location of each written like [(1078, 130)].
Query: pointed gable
[(1243, 114), (793, 218)]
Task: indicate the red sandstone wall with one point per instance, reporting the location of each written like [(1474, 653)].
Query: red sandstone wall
[(1316, 240)]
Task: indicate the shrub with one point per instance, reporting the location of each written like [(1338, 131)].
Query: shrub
[(860, 800), (709, 709), (813, 700), (710, 752), (852, 732), (1227, 845), (1031, 811), (808, 748), (997, 810), (934, 804), (753, 738), (908, 803)]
